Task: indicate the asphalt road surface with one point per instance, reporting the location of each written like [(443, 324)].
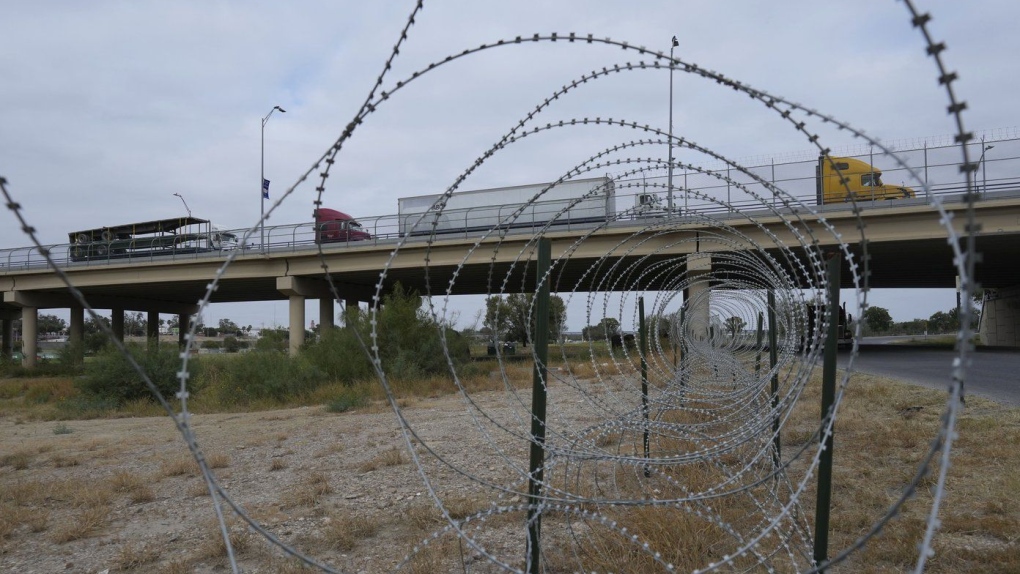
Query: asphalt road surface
[(993, 374)]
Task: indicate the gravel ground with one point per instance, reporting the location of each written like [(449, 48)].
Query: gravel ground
[(123, 495)]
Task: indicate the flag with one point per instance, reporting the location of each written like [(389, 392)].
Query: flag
[(265, 188)]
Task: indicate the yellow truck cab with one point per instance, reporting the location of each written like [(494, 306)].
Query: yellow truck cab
[(842, 179)]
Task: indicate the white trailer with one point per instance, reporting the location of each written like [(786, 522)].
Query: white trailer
[(571, 202)]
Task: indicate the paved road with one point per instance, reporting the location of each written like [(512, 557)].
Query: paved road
[(994, 374)]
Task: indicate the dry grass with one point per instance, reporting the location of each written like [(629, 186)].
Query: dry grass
[(85, 523), (18, 460), (309, 492), (130, 556), (241, 540), (179, 466), (391, 457), (343, 533), (277, 465), (882, 431)]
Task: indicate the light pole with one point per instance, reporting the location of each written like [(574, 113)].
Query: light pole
[(984, 172), (263, 184), (669, 179)]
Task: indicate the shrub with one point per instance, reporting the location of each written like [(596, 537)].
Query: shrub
[(266, 375), (348, 399), (408, 339), (110, 376), (232, 345)]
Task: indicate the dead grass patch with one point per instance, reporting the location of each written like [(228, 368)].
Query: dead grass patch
[(18, 460), (343, 533), (179, 466), (218, 460), (131, 556), (84, 523), (241, 540), (391, 457), (277, 465), (309, 492)]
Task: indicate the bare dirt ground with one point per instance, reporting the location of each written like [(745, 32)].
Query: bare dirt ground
[(124, 495)]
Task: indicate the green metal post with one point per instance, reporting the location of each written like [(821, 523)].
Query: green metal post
[(644, 375), (757, 357), (683, 348), (538, 406), (824, 503), (773, 359)]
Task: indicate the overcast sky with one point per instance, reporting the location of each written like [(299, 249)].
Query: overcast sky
[(108, 108)]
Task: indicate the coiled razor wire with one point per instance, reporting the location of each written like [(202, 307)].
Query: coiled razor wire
[(710, 417)]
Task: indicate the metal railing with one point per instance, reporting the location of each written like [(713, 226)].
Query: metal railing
[(996, 177)]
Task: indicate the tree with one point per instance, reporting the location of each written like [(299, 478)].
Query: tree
[(734, 325), (497, 318), (135, 324), (513, 319), (50, 324), (605, 329), (877, 319), (228, 327)]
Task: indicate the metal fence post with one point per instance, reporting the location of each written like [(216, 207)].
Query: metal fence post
[(644, 377), (824, 502), (773, 359), (538, 406)]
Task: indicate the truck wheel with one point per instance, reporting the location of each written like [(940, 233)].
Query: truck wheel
[(107, 235), (82, 238), (101, 250)]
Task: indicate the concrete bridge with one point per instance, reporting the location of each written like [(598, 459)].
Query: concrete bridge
[(906, 244)]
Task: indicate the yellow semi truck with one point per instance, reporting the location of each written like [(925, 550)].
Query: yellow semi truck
[(844, 179)]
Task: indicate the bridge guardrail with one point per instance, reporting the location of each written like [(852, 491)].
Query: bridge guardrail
[(386, 228)]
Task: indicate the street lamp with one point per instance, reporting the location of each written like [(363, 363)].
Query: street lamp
[(263, 183), (984, 173), (669, 179)]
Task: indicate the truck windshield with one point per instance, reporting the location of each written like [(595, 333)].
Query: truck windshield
[(354, 225), (871, 180)]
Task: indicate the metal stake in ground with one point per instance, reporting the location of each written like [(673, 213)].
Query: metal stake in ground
[(540, 348), (824, 502), (644, 376), (773, 359)]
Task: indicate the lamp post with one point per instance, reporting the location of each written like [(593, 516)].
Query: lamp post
[(263, 188), (984, 172), (669, 179)]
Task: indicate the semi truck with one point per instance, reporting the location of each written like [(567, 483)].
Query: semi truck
[(336, 226), (842, 179), (485, 209), (179, 235)]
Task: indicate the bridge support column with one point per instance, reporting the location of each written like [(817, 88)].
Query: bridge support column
[(325, 314), (7, 336), (29, 336), (183, 326), (152, 329), (297, 289), (696, 296), (297, 324), (1000, 317), (117, 323), (76, 333)]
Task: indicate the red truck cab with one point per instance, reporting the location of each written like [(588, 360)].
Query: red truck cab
[(333, 226)]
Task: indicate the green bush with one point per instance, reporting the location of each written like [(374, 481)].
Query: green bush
[(407, 337), (261, 375), (348, 399), (339, 356), (110, 376)]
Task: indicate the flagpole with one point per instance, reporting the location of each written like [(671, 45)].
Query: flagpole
[(262, 181)]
